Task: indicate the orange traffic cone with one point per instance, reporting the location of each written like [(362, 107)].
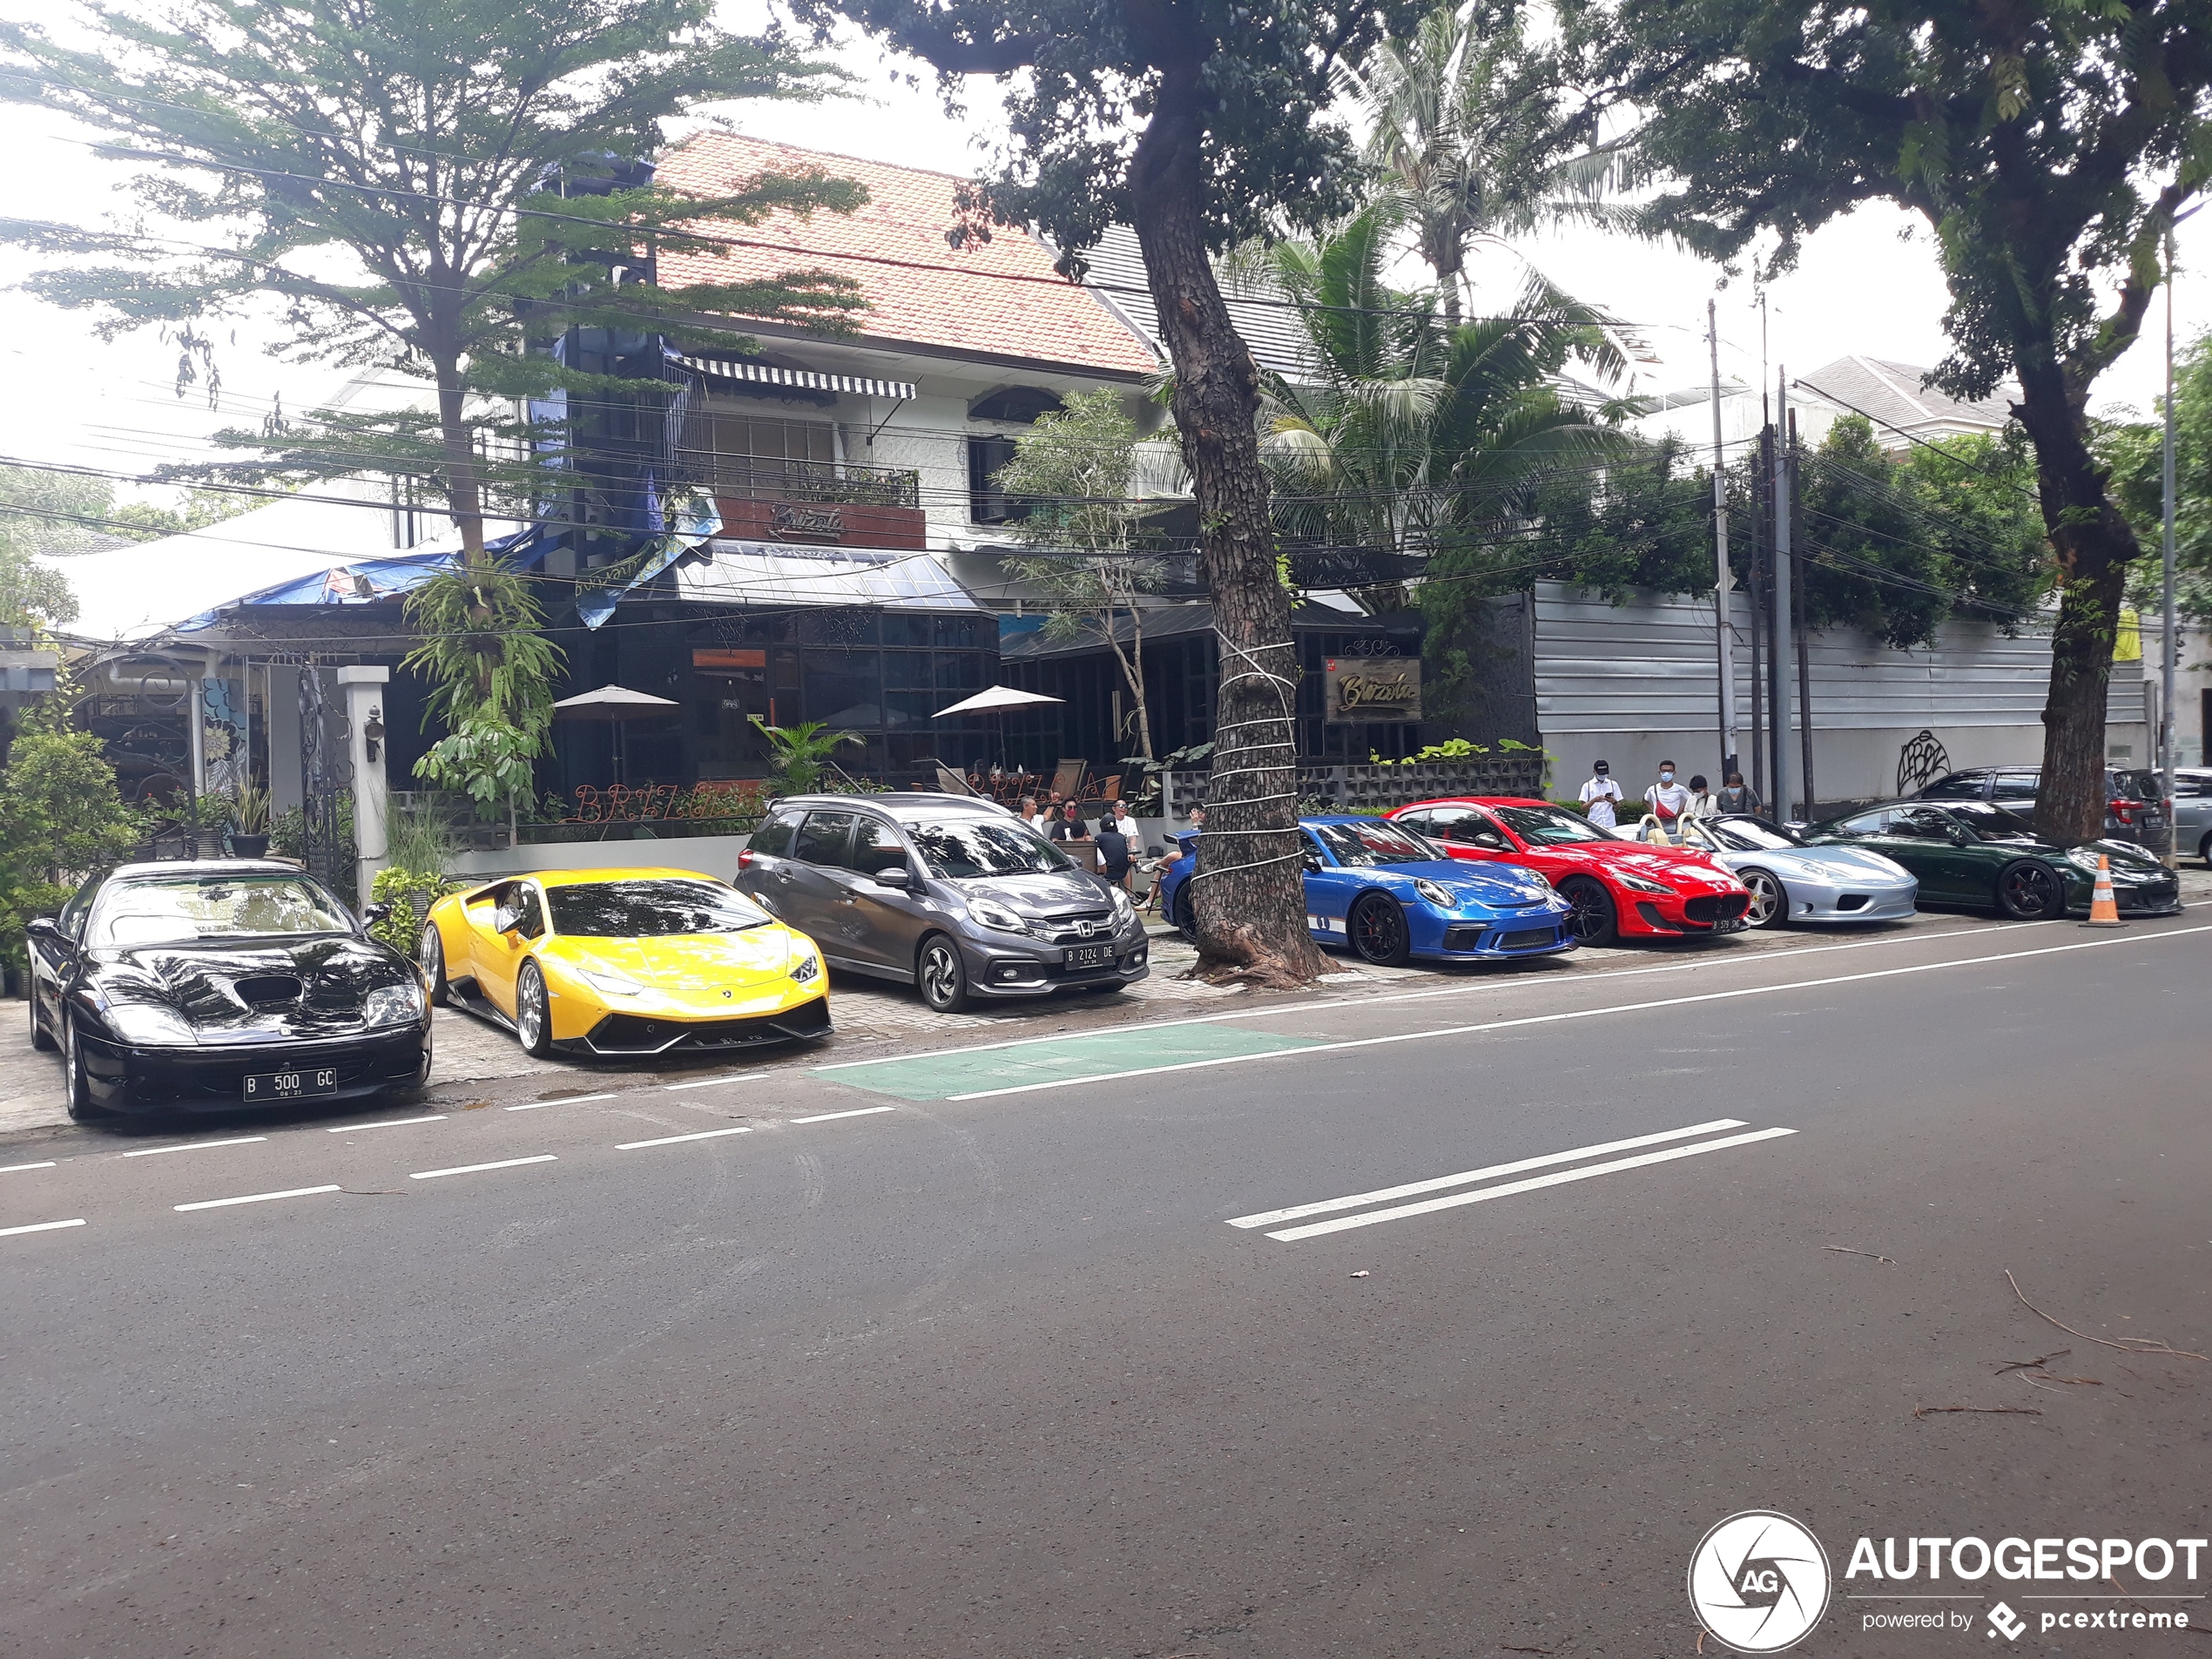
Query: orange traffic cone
[(2103, 912)]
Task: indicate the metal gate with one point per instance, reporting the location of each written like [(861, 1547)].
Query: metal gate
[(326, 779)]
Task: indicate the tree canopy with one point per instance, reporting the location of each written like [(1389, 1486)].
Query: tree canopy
[(2047, 147)]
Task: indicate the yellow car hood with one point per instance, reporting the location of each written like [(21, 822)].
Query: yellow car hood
[(688, 965)]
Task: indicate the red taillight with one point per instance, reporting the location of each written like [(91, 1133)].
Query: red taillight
[(744, 858), (2124, 811)]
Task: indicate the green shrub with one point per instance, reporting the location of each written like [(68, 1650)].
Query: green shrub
[(410, 894)]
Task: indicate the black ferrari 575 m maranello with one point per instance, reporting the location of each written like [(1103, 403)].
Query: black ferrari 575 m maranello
[(216, 985)]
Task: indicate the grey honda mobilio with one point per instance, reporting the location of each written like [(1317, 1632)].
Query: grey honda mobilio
[(953, 894)]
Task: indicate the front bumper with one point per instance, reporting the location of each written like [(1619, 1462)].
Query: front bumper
[(1505, 939), (2149, 899), (1680, 916), (632, 1037), (1009, 967), (1845, 905), (121, 1078)]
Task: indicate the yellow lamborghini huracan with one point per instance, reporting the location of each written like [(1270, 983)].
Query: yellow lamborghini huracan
[(625, 962)]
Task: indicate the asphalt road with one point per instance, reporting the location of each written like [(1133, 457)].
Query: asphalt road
[(960, 1352)]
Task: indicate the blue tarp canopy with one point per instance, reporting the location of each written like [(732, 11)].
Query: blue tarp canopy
[(366, 580)]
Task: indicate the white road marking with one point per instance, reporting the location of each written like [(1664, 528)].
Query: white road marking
[(389, 1122), (40, 1227), (709, 1083), (257, 1197), (1489, 983), (478, 1168), (864, 1111), (12, 1168), (1269, 1217), (193, 1146), (670, 1140), (1483, 1195), (1576, 1014), (565, 1100)]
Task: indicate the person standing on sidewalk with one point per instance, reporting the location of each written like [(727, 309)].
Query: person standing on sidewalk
[(1737, 796), (1599, 794), (1701, 803), (1666, 798)]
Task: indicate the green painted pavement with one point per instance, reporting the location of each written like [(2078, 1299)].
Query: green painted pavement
[(1054, 1059)]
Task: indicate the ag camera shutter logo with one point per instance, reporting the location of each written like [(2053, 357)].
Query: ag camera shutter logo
[(1759, 1581)]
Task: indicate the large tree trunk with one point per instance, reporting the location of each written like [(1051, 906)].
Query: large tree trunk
[(464, 496), (2093, 543), (1248, 894)]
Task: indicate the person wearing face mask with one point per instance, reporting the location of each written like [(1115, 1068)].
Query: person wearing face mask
[(1666, 798), (1598, 796)]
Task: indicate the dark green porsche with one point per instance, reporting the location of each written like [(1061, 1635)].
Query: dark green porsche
[(1975, 852)]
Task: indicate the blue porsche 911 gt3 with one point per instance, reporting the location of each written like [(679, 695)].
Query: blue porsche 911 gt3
[(1389, 895)]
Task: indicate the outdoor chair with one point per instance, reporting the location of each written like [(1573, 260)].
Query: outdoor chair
[(1068, 779)]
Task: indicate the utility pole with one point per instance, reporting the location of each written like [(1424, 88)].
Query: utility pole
[(1722, 581), (1801, 591), (1780, 652), (2165, 733)]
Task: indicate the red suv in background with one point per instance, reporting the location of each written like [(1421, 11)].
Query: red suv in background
[(1619, 889)]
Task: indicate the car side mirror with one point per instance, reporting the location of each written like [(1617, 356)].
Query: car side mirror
[(42, 927), (1958, 837), (374, 912), (503, 920), (1312, 863), (895, 876)]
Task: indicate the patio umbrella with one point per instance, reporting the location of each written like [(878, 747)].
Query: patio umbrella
[(995, 701), (618, 705)]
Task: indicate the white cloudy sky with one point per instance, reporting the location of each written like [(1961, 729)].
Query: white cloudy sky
[(1859, 289)]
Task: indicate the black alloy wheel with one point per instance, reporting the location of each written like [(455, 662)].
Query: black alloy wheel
[(2205, 848), (78, 1095), (533, 1011), (1378, 930), (2027, 891), (432, 953), (941, 975), (1186, 913), (1593, 921), (39, 1038), (1770, 898)]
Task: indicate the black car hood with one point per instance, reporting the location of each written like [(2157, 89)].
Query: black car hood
[(234, 991), (1065, 893)]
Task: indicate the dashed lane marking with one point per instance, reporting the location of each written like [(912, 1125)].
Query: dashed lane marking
[(256, 1198), (709, 1083), (1483, 1195), (860, 1111), (565, 1100), (14, 1169), (478, 1168), (193, 1146), (1269, 1218), (389, 1122), (40, 1227), (670, 1140)]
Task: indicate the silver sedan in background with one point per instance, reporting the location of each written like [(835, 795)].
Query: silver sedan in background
[(1791, 882)]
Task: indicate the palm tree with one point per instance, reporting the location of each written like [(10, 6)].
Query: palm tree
[(1469, 130), (1404, 427)]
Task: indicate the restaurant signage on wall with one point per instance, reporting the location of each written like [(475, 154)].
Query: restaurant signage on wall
[(1359, 689)]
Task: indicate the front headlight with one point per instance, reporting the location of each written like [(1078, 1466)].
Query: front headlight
[(1431, 893), (393, 1004), (809, 965), (1123, 908), (1637, 884), (612, 984), (2082, 858), (150, 1025), (992, 914)]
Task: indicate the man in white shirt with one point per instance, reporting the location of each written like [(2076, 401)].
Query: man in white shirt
[(1666, 798), (1599, 794)]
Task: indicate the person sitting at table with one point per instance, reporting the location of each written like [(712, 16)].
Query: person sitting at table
[(1069, 826)]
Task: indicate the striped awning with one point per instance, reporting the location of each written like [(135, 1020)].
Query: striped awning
[(804, 378)]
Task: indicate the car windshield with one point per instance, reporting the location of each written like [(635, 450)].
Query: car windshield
[(1747, 834), (651, 909), (1991, 823), (1550, 826), (956, 848), (162, 912), (1361, 847)]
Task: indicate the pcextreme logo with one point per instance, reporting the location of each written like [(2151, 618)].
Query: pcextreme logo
[(1759, 1581)]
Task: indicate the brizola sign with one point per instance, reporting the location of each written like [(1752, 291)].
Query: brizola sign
[(1372, 688)]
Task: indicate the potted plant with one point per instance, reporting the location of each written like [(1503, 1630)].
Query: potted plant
[(250, 823)]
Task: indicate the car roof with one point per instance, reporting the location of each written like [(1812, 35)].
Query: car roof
[(613, 872), (890, 804), (1474, 800)]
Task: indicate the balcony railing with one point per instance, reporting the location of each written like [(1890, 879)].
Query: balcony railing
[(758, 478)]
